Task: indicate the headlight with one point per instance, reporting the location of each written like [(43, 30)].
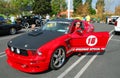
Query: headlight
[(18, 51)]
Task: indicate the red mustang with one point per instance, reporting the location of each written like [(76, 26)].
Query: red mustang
[(49, 46)]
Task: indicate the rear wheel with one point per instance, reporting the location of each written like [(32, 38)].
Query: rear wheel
[(58, 58), (13, 31)]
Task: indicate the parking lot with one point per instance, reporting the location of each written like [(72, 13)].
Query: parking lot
[(89, 65)]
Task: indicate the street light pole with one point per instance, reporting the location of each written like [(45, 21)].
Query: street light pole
[(68, 9)]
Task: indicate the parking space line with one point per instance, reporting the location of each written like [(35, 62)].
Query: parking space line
[(78, 75), (110, 37), (111, 31), (72, 66), (3, 55), (115, 39)]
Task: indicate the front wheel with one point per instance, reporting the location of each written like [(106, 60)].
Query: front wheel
[(58, 58), (26, 25)]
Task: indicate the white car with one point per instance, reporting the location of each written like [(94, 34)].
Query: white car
[(117, 26), (112, 19)]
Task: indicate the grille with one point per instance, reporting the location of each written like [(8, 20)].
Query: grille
[(20, 52)]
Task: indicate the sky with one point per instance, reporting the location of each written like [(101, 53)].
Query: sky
[(109, 4)]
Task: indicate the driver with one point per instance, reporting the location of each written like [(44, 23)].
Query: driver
[(78, 26)]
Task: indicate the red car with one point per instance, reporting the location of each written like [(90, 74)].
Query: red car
[(48, 47)]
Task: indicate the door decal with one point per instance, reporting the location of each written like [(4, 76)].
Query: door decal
[(91, 40)]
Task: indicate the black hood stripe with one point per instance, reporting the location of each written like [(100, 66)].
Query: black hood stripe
[(28, 41)]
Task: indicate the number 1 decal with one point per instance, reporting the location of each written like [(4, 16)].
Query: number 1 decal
[(91, 40)]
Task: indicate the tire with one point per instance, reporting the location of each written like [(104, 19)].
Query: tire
[(26, 25), (115, 32), (12, 31), (37, 22), (58, 58), (41, 23)]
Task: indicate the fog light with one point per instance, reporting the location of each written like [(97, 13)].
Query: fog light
[(18, 51), (39, 53), (23, 66), (12, 49)]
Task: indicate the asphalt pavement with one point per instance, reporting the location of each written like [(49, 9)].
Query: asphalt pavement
[(89, 65)]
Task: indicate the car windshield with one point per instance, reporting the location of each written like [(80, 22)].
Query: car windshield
[(59, 26)]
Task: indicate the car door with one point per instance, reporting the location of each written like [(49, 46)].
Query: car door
[(91, 42), (3, 28)]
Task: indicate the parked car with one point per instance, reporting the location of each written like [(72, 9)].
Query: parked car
[(49, 46), (7, 28), (117, 26), (112, 19), (27, 21), (2, 19)]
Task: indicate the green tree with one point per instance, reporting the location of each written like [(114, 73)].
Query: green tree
[(86, 8), (42, 7), (14, 6), (92, 11), (4, 7), (20, 6), (58, 6), (89, 6), (89, 2), (77, 4), (100, 8), (117, 10), (83, 9)]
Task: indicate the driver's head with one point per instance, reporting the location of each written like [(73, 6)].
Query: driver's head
[(77, 25)]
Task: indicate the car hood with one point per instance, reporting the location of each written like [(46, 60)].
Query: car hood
[(33, 40)]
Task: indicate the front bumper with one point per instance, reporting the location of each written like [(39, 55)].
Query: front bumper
[(27, 64)]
